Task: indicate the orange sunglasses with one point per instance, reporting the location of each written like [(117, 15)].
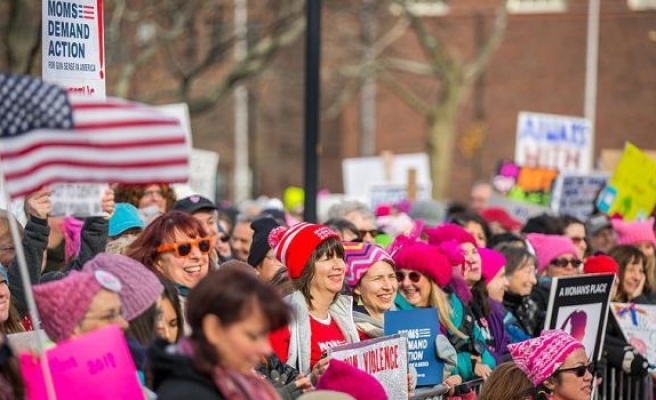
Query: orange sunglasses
[(183, 248)]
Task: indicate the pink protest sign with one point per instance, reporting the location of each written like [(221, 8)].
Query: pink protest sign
[(93, 366)]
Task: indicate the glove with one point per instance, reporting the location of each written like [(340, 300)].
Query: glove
[(447, 353), (634, 363)]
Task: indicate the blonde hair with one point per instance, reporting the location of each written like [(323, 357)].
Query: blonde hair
[(439, 300)]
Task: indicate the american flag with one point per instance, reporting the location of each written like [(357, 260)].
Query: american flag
[(49, 136)]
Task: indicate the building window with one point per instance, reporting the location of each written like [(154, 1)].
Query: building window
[(424, 8), (537, 6), (642, 4)]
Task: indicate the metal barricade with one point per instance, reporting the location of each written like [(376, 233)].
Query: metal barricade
[(617, 385)]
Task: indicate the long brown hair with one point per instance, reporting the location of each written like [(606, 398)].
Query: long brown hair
[(625, 255), (330, 248), (231, 295), (133, 193), (507, 382)]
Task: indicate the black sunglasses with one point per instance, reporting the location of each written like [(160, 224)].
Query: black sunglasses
[(412, 275), (580, 370), (563, 262), (372, 232)]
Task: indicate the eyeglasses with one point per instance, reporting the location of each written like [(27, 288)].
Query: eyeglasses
[(372, 232), (224, 239), (183, 248), (579, 371), (414, 276), (109, 317), (577, 240), (563, 262)]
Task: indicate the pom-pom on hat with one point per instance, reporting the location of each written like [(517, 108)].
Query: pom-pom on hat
[(600, 264), (342, 377), (260, 246), (359, 257), (126, 216), (540, 357), (549, 247), (491, 263), (63, 303), (140, 287), (294, 246), (632, 233), (448, 232)]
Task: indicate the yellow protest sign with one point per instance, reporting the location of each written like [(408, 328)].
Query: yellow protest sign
[(631, 191)]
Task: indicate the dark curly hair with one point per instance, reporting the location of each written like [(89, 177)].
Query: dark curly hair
[(133, 193)]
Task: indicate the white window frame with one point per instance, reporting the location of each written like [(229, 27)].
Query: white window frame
[(640, 5), (536, 6), (423, 8)]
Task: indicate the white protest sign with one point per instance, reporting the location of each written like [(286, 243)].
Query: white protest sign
[(202, 177), (638, 324), (79, 199), (394, 193), (361, 174), (385, 358), (553, 141), (519, 210), (73, 46), (576, 194), (26, 341)]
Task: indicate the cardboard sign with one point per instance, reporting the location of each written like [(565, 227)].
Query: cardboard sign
[(202, 175), (519, 210), (73, 46), (386, 358), (78, 199), (421, 327), (631, 191), (638, 325), (98, 365), (554, 142), (383, 171), (525, 184), (578, 305), (576, 194)]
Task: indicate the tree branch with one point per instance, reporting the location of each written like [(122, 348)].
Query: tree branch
[(474, 69), (409, 66), (407, 95)]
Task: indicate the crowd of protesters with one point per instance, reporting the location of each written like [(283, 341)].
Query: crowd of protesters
[(223, 302)]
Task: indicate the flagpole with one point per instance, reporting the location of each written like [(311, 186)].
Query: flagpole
[(27, 288)]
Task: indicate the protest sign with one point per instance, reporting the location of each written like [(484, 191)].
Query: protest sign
[(383, 171), (386, 358), (82, 366), (73, 46), (638, 325), (525, 184), (554, 141), (421, 326), (78, 199), (579, 306), (394, 193), (631, 191), (26, 341), (202, 175), (576, 194), (518, 210)]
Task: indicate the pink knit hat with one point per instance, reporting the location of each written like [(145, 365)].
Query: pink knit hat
[(294, 246), (140, 287), (447, 232), (540, 357), (63, 303), (342, 377), (359, 257), (491, 263), (549, 247), (632, 233), (426, 259)]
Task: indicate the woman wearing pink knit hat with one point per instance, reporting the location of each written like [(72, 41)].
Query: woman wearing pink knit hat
[(452, 233), (641, 235), (557, 257), (557, 365), (424, 273), (314, 257)]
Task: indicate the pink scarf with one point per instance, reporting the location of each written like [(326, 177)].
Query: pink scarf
[(234, 385)]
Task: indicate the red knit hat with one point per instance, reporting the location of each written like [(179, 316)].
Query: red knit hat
[(632, 233), (294, 246), (600, 265), (447, 232), (500, 215)]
